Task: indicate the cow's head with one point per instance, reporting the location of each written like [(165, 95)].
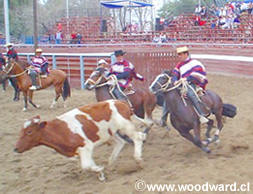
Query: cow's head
[(30, 134)]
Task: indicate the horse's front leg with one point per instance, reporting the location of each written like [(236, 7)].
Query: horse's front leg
[(30, 94), (25, 100), (197, 140), (164, 118)]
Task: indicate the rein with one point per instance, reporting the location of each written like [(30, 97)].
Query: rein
[(16, 75)]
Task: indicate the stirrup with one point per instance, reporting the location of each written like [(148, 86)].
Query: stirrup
[(203, 119)]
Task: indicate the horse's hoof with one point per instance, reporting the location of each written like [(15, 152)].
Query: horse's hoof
[(24, 109), (37, 106), (206, 149), (101, 176)]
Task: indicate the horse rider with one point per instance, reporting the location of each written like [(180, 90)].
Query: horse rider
[(39, 64), (193, 71), (12, 54), (124, 72), (103, 64)]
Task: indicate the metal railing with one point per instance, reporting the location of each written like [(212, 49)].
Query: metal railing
[(72, 59)]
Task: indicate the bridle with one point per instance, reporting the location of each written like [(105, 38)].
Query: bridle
[(97, 82), (9, 70), (164, 87)]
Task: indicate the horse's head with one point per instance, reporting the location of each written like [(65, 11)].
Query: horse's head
[(161, 83), (30, 134), (6, 71), (97, 77)]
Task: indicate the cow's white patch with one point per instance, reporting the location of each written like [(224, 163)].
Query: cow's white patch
[(27, 123), (36, 120)]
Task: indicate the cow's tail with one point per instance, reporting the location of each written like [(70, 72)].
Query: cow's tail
[(66, 89), (229, 110)]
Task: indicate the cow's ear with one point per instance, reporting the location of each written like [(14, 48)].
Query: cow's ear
[(43, 124)]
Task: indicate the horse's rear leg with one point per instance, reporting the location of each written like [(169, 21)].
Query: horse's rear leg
[(149, 106), (58, 91), (31, 99), (197, 140), (218, 117)]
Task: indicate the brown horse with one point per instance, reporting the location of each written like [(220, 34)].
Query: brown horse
[(183, 117), (57, 78), (143, 101)]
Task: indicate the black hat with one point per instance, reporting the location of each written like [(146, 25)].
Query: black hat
[(119, 53)]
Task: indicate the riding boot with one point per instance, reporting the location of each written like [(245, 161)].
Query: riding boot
[(195, 101), (34, 82), (119, 94)]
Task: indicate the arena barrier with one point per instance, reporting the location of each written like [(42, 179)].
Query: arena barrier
[(149, 64), (77, 66)]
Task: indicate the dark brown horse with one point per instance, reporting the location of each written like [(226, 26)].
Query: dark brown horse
[(183, 117), (143, 101), (57, 78), (24, 64)]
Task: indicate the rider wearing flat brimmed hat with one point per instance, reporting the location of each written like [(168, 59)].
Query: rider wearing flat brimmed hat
[(11, 53), (125, 72), (39, 64), (195, 74)]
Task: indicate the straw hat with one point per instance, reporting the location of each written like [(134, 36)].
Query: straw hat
[(182, 49), (102, 61), (9, 44), (38, 50)]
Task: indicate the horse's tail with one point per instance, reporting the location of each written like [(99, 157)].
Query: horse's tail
[(229, 110), (66, 89)]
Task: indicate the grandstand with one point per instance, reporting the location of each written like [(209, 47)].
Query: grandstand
[(181, 29)]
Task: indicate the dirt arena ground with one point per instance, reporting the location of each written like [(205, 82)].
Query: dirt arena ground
[(168, 158)]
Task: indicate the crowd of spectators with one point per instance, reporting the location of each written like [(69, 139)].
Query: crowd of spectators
[(226, 17)]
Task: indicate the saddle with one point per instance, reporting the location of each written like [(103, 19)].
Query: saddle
[(200, 93)]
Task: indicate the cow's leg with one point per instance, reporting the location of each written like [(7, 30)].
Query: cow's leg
[(137, 137), (87, 161), (117, 148)]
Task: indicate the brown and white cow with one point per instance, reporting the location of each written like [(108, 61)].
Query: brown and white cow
[(78, 131)]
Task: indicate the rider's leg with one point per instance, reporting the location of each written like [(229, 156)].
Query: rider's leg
[(44, 69), (33, 75), (118, 93), (191, 94)]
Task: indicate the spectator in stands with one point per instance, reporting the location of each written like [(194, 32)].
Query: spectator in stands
[(156, 39), (39, 64), (203, 12), (163, 37), (79, 38), (58, 37), (197, 10), (73, 38), (250, 8)]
